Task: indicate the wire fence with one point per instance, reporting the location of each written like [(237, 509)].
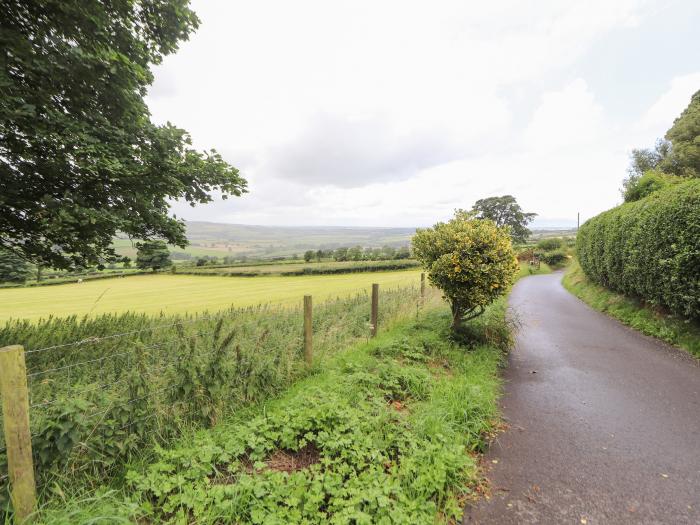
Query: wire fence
[(99, 399)]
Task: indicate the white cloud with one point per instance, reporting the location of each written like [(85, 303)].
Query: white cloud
[(569, 118), (396, 112), (660, 116)]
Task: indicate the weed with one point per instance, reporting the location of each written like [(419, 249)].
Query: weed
[(373, 437)]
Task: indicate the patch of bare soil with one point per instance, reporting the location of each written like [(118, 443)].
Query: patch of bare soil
[(398, 406), (440, 367), (291, 461)]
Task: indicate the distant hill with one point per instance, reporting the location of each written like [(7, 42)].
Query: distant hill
[(212, 238), (219, 239)]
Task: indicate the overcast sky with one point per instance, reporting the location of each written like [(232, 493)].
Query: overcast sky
[(383, 113)]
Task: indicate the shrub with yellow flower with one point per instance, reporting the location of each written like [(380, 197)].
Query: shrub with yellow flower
[(471, 260)]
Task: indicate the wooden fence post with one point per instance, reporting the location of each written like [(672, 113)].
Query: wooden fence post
[(308, 330), (422, 285), (374, 319), (15, 413)]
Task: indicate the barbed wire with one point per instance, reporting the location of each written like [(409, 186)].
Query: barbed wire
[(95, 339), (105, 386), (393, 286), (99, 359), (73, 365), (195, 319)]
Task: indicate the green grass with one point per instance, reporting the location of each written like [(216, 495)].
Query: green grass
[(300, 267), (387, 432), (174, 294), (96, 404), (650, 321), (526, 269)]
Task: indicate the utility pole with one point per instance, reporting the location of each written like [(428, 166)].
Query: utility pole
[(578, 220)]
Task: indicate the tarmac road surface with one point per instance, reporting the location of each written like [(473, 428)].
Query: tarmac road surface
[(603, 423)]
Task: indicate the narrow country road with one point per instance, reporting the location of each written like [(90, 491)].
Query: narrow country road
[(603, 422)]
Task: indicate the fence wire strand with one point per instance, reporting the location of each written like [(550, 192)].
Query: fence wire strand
[(92, 340), (332, 332)]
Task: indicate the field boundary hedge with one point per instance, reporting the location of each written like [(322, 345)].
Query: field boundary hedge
[(309, 270), (649, 249)]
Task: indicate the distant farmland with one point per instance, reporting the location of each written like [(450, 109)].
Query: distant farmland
[(215, 239), (185, 293)]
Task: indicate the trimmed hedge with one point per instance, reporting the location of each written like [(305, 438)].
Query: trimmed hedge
[(556, 258), (649, 249)]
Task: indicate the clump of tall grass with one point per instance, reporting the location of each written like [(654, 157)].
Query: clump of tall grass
[(104, 388)]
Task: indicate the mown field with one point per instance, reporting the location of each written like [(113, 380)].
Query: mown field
[(174, 294)]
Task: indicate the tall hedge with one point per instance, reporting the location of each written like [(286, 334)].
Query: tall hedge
[(649, 248)]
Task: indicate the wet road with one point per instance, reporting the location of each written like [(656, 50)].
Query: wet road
[(603, 422)]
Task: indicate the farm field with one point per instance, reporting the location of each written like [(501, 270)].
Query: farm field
[(216, 239), (219, 240), (176, 294), (287, 267)]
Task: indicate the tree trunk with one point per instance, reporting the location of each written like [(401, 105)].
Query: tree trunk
[(456, 317)]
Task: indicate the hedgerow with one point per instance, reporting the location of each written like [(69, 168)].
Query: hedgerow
[(649, 249)]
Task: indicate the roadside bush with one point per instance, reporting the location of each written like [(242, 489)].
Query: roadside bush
[(649, 248), (471, 260), (549, 244), (647, 184), (556, 258), (525, 254)]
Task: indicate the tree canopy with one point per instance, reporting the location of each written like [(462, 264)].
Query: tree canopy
[(153, 255), (471, 260), (643, 160), (684, 136), (678, 154), (505, 211), (80, 159), (13, 268), (651, 181)]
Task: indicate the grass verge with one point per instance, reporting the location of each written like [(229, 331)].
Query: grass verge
[(526, 269), (388, 431), (632, 312)]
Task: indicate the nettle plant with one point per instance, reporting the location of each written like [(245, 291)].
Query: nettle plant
[(471, 260)]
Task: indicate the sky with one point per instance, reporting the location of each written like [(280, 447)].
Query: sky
[(395, 113)]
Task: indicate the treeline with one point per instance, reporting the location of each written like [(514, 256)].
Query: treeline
[(316, 269), (358, 253), (649, 247)]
